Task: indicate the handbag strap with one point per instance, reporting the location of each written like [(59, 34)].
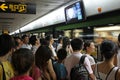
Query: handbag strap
[(4, 77), (98, 72), (116, 74), (82, 59), (109, 72)]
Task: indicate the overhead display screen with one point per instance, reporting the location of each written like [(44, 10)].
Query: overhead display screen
[(75, 12)]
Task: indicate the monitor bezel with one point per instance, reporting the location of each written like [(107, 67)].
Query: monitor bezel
[(74, 20)]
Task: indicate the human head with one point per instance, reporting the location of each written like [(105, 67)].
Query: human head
[(6, 44), (42, 55), (18, 42), (60, 39), (25, 39), (65, 42), (49, 38), (34, 40), (61, 54), (119, 38), (108, 49), (44, 42), (77, 44), (22, 60), (89, 46)]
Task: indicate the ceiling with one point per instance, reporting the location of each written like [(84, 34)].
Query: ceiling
[(14, 21)]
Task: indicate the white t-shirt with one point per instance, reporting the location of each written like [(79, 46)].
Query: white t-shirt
[(34, 49), (53, 50), (102, 76), (91, 59), (26, 46), (59, 46), (73, 59)]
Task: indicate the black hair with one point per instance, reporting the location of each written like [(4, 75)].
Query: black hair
[(44, 42), (65, 42), (16, 42), (119, 40), (77, 44), (119, 37), (6, 44), (32, 40), (59, 39), (24, 36), (48, 38), (42, 55), (87, 44), (61, 54), (22, 60), (108, 48)]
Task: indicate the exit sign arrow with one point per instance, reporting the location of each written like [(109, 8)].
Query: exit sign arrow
[(17, 7), (3, 7)]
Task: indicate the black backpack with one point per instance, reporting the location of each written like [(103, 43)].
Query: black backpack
[(79, 71)]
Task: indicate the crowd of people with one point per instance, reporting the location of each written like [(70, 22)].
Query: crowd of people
[(31, 58)]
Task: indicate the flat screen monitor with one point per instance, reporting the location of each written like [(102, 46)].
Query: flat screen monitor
[(75, 12)]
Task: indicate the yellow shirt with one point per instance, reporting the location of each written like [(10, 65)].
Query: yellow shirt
[(9, 73)]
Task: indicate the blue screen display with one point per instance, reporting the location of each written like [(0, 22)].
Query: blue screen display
[(74, 12)]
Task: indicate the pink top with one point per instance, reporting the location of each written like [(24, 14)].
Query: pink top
[(36, 73), (21, 78)]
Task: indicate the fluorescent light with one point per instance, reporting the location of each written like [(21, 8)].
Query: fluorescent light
[(52, 18), (112, 28), (110, 24)]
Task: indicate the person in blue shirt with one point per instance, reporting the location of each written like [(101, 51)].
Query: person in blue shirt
[(59, 67)]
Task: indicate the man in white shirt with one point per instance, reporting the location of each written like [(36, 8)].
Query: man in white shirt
[(25, 40), (74, 58), (89, 48)]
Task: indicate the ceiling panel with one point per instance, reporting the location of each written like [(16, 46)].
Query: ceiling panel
[(14, 21)]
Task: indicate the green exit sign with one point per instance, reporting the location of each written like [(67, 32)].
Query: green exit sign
[(13, 7)]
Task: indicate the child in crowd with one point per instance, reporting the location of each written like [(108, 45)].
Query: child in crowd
[(22, 61), (59, 67)]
